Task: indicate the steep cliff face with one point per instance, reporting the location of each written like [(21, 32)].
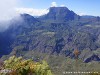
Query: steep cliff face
[(60, 14)]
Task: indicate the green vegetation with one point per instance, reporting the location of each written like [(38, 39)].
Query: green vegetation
[(20, 66), (94, 74), (59, 63)]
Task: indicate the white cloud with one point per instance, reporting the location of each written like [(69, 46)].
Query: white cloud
[(7, 12), (53, 4), (81, 13), (31, 11), (62, 5), (7, 9)]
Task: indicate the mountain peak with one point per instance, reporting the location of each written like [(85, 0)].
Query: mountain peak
[(59, 14), (58, 8)]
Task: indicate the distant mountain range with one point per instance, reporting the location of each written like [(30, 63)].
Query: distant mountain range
[(58, 32)]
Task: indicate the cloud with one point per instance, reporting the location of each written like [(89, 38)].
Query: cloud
[(7, 12), (53, 4), (31, 11), (81, 13), (7, 9), (62, 5)]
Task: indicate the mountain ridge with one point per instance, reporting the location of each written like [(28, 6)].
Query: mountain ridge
[(58, 32)]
